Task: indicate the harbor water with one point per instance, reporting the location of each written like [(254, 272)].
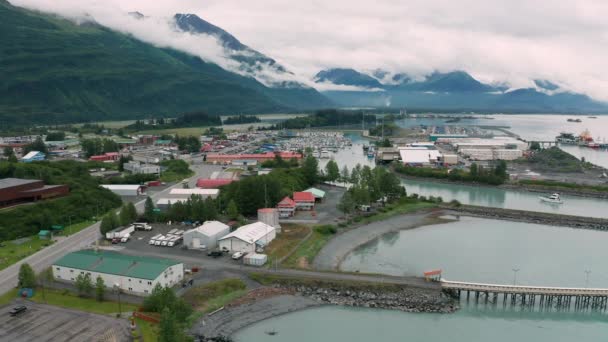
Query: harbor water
[(470, 249)]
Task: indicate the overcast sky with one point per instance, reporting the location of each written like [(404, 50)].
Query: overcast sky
[(514, 41)]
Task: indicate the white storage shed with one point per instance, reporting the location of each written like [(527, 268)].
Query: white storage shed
[(248, 237), (124, 189), (205, 235)]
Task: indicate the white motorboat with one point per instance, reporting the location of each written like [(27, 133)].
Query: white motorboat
[(555, 198)]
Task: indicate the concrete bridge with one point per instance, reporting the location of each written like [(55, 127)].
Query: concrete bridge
[(559, 297)]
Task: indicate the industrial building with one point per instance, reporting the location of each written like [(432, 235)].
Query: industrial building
[(164, 203), (125, 189), (106, 157), (304, 200), (33, 156), (259, 157), (497, 148), (248, 238), (132, 274), (136, 167), (419, 156), (286, 207), (387, 154), (205, 235), (16, 190)]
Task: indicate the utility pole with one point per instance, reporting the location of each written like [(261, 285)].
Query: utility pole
[(515, 270)]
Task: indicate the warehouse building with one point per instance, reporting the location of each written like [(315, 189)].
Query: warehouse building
[(248, 238), (165, 203), (125, 189), (206, 235), (212, 183), (258, 157), (33, 156), (419, 156), (132, 274), (136, 167), (318, 193), (17, 190)]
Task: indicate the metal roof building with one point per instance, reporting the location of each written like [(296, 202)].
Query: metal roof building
[(134, 274), (248, 237), (205, 235)]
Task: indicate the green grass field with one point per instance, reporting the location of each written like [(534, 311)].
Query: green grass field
[(71, 301), (305, 254), (148, 330), (11, 252)]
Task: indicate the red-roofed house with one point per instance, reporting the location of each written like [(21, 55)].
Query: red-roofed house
[(286, 207), (212, 183), (304, 200)]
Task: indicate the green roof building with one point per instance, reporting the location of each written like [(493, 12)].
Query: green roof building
[(318, 193), (134, 274)]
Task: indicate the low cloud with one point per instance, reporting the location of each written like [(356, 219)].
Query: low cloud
[(516, 42)]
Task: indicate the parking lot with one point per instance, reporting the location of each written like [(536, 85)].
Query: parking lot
[(49, 323)]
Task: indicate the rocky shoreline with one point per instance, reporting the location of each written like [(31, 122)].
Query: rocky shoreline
[(405, 299), (551, 219)]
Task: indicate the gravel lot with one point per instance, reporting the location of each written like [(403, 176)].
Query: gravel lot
[(49, 323)]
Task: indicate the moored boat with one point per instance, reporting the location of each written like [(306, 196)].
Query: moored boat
[(555, 198)]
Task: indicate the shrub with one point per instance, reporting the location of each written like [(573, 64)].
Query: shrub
[(326, 229)]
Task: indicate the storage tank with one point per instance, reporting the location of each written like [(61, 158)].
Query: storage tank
[(255, 259), (270, 216)]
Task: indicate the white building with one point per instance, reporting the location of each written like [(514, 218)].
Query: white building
[(124, 189), (205, 235), (248, 237), (419, 156), (136, 167), (164, 203), (132, 274)]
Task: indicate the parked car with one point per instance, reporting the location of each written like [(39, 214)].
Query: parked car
[(115, 240), (215, 254), (17, 310), (237, 255)]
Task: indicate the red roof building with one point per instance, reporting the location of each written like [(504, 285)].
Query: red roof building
[(260, 157), (304, 200), (212, 183), (109, 156), (286, 207), (15, 190)]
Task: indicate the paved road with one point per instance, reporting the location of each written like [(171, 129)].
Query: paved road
[(86, 237), (208, 264)]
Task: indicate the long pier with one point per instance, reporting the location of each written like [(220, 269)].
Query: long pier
[(562, 298)]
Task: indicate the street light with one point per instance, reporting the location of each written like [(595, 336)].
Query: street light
[(515, 270), (117, 288), (587, 278)]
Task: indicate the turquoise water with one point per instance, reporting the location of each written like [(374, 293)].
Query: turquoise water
[(474, 250), (509, 199), (339, 324), (486, 251)]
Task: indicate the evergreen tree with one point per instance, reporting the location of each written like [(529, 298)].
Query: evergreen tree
[(344, 175), (125, 216), (232, 211), (84, 284), (130, 207), (210, 210), (347, 203), (149, 209), (310, 168), (106, 225), (168, 328), (332, 172), (473, 170), (26, 277), (100, 289), (37, 145)]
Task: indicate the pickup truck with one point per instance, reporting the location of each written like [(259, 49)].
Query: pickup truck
[(17, 310)]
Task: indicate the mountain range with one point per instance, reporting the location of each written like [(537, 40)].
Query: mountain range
[(55, 71), (456, 90)]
